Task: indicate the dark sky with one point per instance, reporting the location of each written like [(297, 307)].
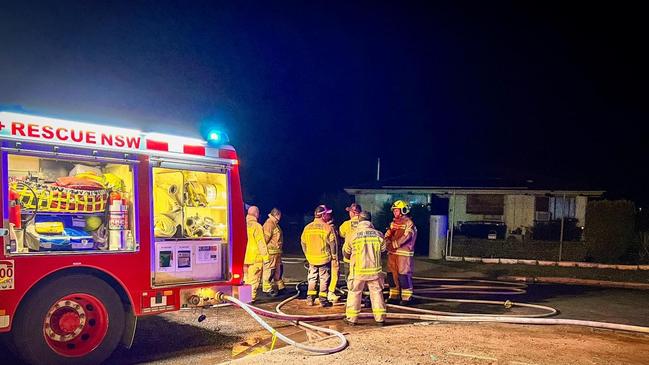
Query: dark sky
[(313, 92)]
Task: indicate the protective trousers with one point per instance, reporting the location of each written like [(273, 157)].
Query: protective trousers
[(319, 275), (252, 276), (400, 276), (272, 273), (354, 299), (347, 273), (335, 272)]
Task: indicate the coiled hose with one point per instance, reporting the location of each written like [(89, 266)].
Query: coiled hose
[(430, 315), (255, 313), (467, 318), (422, 314)]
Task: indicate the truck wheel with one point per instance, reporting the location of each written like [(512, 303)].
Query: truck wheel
[(75, 319)]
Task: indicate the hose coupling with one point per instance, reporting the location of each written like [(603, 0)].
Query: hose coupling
[(220, 297)]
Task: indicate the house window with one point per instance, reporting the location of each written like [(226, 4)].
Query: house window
[(485, 204), (542, 204), (563, 207)]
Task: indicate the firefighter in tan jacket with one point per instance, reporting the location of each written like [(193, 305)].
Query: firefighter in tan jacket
[(363, 248), (256, 252), (400, 240), (274, 241), (319, 245)]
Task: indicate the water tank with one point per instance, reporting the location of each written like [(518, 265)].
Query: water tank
[(437, 237)]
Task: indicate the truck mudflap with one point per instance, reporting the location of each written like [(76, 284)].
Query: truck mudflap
[(243, 293), (4, 321), (130, 323)]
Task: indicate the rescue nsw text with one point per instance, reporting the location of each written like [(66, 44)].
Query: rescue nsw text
[(74, 135)]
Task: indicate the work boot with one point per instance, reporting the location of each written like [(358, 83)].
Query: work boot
[(392, 301), (406, 302), (272, 293), (324, 303), (333, 297), (348, 322), (380, 324), (310, 301), (281, 292)]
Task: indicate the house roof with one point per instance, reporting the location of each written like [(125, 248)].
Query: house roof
[(407, 185)]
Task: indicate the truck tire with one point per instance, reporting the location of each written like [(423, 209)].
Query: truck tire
[(74, 319)]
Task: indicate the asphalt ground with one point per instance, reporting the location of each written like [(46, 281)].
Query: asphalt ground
[(229, 333)]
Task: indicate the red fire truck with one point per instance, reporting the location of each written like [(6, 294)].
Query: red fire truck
[(102, 225)]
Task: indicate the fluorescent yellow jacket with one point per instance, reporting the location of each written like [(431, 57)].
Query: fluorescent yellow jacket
[(348, 226), (256, 248), (319, 242), (273, 236), (363, 247)]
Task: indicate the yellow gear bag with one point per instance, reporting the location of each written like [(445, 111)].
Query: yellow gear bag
[(49, 227)]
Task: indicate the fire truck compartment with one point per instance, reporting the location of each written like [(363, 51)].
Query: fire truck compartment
[(191, 225), (60, 204)]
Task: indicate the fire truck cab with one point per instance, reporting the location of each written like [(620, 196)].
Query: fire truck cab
[(101, 225)]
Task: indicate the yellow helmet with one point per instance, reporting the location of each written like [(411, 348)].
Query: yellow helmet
[(400, 204)]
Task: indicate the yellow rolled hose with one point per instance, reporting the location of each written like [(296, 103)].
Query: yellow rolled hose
[(165, 203), (164, 226), (211, 193)]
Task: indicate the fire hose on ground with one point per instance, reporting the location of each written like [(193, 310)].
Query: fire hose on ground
[(252, 311), (420, 314)]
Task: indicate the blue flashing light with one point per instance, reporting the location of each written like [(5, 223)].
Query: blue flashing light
[(214, 131), (217, 137)]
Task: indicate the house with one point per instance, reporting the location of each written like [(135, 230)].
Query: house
[(494, 210)]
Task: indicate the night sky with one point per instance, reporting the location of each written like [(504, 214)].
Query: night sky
[(313, 92)]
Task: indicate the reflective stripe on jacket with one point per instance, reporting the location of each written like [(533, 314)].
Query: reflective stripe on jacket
[(363, 247), (402, 231), (273, 235), (319, 242), (256, 247)]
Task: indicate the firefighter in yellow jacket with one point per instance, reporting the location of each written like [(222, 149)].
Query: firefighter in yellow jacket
[(319, 245), (363, 248), (256, 251), (400, 241), (274, 241), (335, 266), (345, 229)]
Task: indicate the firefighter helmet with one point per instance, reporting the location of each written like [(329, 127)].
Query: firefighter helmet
[(401, 205), (321, 210)]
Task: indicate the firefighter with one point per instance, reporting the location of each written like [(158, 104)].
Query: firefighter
[(319, 245), (363, 248), (274, 241), (256, 251), (335, 266), (347, 227), (400, 241)]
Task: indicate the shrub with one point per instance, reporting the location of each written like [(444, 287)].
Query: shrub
[(610, 230)]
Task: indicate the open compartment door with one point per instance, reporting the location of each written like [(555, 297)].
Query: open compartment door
[(191, 224)]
